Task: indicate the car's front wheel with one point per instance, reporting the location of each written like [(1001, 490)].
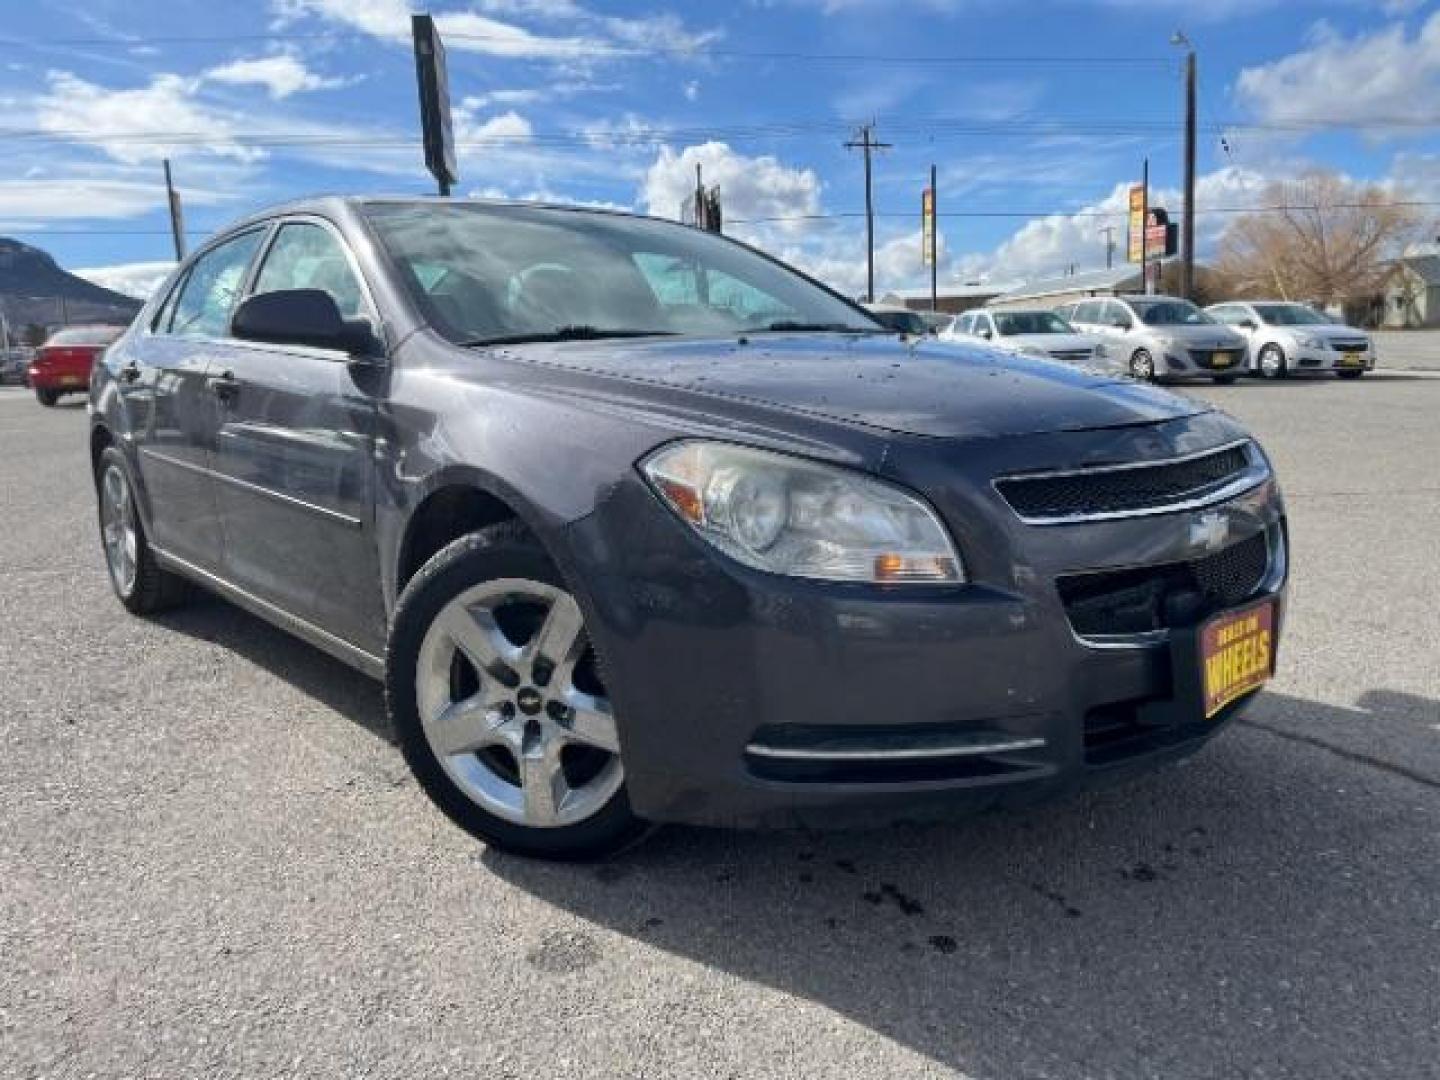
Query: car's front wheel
[(496, 695), (1272, 362), (1142, 365), (48, 398)]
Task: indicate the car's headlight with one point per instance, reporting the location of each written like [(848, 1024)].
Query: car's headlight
[(1311, 341), (800, 518)]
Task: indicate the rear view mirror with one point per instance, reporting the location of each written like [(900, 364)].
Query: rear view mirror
[(301, 317)]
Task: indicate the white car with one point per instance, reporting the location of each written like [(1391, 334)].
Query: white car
[(1034, 333), (1160, 337), (1286, 337)]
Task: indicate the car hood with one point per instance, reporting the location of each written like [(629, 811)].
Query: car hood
[(1199, 337), (918, 388)]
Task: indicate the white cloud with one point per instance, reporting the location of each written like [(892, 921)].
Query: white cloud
[(280, 75), (750, 187), (138, 279), (692, 90), (507, 127), (1374, 81), (124, 123), (601, 37)]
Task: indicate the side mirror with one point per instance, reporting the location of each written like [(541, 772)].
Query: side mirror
[(1246, 324), (983, 333), (301, 317)]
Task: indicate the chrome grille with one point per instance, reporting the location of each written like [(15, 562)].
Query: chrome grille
[(1114, 491)]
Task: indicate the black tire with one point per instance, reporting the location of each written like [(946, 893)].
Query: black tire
[(153, 588), (1350, 374), (1142, 365), (48, 398), (1280, 367), (507, 550)]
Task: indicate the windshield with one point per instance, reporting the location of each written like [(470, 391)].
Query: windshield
[(484, 273), (1010, 323), (1289, 315), (1169, 313)]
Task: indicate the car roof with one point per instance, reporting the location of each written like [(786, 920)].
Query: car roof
[(329, 204)]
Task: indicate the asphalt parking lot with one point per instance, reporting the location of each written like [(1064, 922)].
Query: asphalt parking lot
[(213, 862)]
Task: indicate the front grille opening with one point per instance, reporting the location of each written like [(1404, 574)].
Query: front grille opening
[(1148, 599), (1117, 731), (1102, 491)]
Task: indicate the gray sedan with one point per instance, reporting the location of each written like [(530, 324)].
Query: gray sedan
[(640, 525)]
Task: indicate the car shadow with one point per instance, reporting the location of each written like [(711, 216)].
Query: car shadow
[(314, 673), (1261, 908), (1205, 921)]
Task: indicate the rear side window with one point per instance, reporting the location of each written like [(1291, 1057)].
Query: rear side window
[(307, 256), (85, 335), (208, 296), (1087, 312)]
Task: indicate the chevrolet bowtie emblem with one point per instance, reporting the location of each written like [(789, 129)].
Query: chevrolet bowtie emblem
[(1210, 531)]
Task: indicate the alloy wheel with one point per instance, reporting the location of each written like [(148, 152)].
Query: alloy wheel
[(1142, 365), (117, 529), (511, 703), (1272, 362)]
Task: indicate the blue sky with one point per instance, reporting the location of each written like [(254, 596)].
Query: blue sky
[(1036, 114)]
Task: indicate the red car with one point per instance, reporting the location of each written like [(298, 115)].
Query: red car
[(62, 365)]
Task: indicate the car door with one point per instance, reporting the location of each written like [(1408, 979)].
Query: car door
[(294, 452), (172, 414)]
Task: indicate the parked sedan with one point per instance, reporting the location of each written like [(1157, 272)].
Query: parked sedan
[(1160, 337), (639, 525), (63, 364), (1285, 338), (1034, 333)]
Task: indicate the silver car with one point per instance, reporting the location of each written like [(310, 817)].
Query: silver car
[(1285, 337), (1034, 333), (1160, 337)]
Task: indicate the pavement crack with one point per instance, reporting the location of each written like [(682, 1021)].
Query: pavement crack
[(1349, 755)]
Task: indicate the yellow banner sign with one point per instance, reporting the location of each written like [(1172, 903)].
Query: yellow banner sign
[(927, 226), (1137, 222)]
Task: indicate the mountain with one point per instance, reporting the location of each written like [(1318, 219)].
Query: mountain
[(33, 289)]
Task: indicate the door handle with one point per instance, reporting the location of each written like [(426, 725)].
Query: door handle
[(225, 386), (129, 373)]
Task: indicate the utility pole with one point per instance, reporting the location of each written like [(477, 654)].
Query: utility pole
[(1187, 222), (867, 143), (934, 243), (1109, 231), (177, 217)]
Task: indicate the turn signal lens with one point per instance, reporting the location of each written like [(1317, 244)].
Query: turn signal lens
[(797, 517)]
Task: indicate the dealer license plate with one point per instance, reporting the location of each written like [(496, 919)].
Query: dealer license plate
[(1352, 359), (1222, 359), (71, 380), (1237, 654)]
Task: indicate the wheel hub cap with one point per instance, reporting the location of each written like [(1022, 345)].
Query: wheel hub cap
[(512, 707)]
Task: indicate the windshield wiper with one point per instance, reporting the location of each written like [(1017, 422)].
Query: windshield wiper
[(794, 326), (568, 333)]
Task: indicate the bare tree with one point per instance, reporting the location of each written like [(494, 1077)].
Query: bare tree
[(1320, 237)]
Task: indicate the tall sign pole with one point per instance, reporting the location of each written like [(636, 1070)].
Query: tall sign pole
[(435, 127), (1187, 221), (867, 143), (177, 215), (1145, 225)]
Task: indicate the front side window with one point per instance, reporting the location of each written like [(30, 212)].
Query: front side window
[(488, 273), (307, 256), (208, 296), (1088, 311), (1113, 313)]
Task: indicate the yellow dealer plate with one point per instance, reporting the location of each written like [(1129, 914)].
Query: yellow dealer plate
[(1237, 654)]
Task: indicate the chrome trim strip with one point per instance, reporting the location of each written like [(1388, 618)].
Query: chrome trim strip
[(878, 753), (245, 485), (356, 657), (1253, 476)]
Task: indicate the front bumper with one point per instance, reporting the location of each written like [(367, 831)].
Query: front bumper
[(728, 681), (1328, 360)]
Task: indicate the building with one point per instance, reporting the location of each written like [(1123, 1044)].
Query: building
[(1411, 297), (951, 299), (1125, 278)]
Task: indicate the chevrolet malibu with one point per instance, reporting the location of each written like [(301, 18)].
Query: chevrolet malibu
[(639, 525), (1286, 338)]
